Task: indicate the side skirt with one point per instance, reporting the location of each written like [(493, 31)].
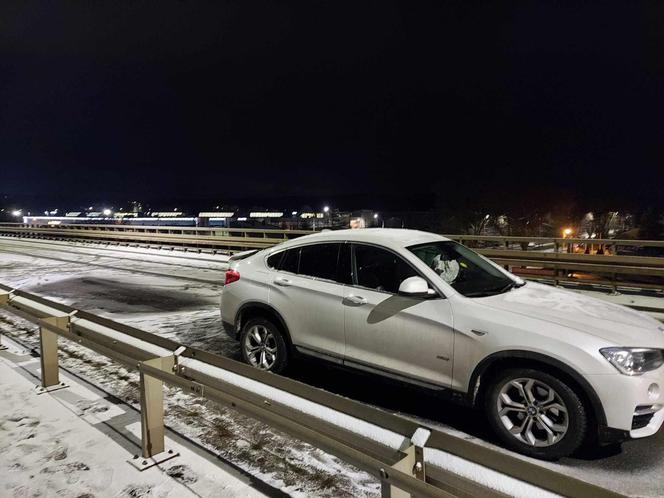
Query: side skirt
[(443, 391)]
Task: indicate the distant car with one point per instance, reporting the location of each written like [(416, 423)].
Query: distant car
[(551, 368)]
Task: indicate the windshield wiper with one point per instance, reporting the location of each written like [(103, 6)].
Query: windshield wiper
[(508, 287), (512, 285), (500, 290)]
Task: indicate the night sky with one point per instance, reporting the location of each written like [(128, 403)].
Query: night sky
[(485, 101)]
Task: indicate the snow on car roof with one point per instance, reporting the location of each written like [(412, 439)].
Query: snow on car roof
[(399, 237)]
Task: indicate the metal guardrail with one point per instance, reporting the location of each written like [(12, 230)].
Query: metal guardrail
[(209, 237), (559, 241), (567, 259), (399, 452)]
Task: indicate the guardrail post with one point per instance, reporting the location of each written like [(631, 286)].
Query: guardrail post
[(4, 300), (412, 462), (153, 448), (48, 345), (614, 285)]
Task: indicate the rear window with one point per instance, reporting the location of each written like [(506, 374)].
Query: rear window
[(274, 260), (319, 261), (290, 260)]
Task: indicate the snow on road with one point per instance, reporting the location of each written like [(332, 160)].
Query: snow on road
[(192, 267)]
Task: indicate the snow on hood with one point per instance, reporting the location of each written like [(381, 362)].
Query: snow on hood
[(617, 324)]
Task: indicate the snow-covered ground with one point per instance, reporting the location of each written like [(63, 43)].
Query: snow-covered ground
[(177, 296), (76, 442)]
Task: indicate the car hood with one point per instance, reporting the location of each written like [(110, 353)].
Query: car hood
[(617, 324)]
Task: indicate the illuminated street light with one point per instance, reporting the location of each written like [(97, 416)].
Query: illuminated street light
[(293, 213), (17, 212), (107, 212), (326, 209), (567, 232), (375, 216)]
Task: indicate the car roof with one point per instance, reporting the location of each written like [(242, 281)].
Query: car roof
[(390, 237)]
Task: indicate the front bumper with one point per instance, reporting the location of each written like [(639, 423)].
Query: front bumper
[(634, 405)]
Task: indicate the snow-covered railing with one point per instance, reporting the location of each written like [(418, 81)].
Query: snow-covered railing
[(407, 458), (216, 238)]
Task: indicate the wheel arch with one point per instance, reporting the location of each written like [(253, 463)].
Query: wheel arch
[(262, 310), (529, 359)]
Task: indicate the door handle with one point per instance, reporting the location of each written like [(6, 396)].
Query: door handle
[(284, 282), (355, 300)]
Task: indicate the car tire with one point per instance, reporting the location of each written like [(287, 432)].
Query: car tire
[(263, 345), (536, 414)]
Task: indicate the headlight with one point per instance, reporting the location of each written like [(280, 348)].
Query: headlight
[(634, 361)]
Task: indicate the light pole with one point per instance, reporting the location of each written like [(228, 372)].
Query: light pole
[(326, 210)]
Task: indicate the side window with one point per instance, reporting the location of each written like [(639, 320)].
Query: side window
[(274, 260), (319, 260), (380, 269), (290, 260)]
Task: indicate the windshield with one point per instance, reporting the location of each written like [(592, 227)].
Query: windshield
[(465, 270)]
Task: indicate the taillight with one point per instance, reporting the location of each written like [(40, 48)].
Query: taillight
[(232, 276)]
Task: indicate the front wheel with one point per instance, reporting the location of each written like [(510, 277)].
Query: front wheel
[(536, 414), (263, 345)]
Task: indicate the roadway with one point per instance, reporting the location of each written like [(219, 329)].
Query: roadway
[(176, 295)]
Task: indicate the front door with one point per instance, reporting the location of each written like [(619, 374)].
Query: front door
[(399, 336)]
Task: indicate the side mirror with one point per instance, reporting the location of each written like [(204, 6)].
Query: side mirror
[(416, 287)]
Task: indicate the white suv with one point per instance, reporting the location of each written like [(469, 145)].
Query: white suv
[(551, 368)]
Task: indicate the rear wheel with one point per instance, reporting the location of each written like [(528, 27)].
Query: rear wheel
[(536, 414), (263, 345)]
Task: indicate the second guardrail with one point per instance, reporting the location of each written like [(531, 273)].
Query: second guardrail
[(554, 259)]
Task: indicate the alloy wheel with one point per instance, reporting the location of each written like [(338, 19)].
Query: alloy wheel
[(260, 347), (533, 412)]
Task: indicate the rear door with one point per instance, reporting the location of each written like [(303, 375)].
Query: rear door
[(305, 288), (403, 337)]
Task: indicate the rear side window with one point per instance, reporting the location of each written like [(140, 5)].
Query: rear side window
[(319, 261), (380, 269), (274, 260), (290, 260)]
